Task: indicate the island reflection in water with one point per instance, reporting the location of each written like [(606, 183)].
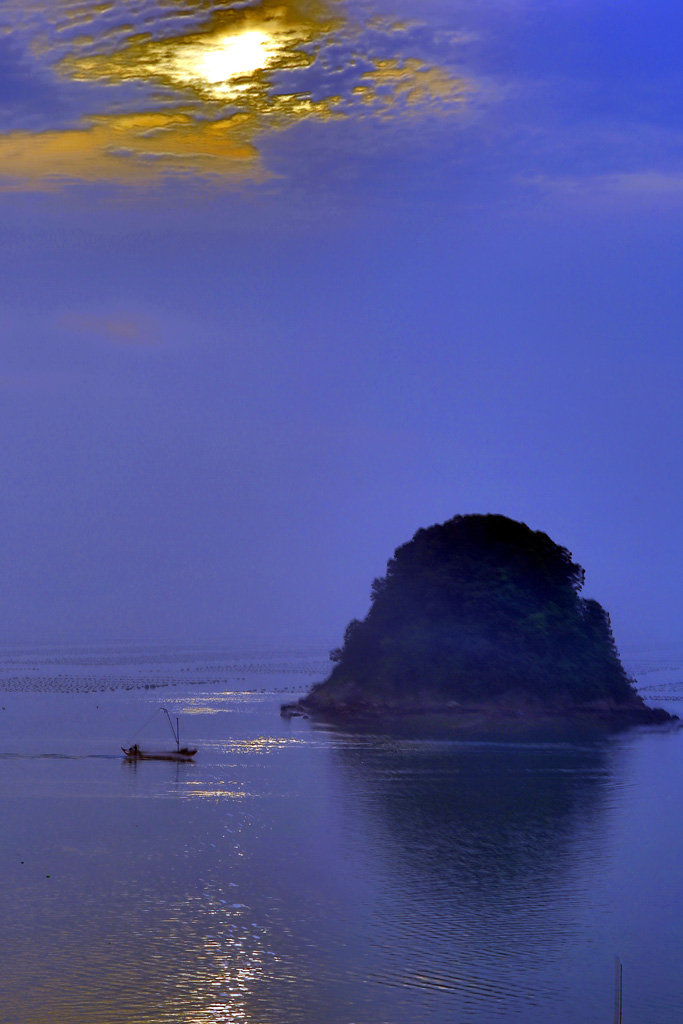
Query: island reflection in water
[(479, 844), (297, 874)]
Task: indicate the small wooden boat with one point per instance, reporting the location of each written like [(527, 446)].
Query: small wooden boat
[(135, 753)]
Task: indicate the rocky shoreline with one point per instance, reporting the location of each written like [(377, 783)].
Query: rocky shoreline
[(356, 709)]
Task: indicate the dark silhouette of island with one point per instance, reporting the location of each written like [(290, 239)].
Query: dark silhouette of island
[(480, 614)]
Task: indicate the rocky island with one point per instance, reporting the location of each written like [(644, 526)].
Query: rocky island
[(480, 618)]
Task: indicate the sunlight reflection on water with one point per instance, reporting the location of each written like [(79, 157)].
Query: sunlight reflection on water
[(296, 873)]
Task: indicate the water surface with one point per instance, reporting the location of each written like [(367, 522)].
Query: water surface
[(300, 874)]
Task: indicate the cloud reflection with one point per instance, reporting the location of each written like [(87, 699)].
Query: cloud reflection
[(191, 88)]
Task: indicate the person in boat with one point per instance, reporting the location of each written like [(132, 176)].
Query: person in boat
[(134, 750)]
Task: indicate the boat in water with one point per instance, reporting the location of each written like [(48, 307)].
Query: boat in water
[(136, 753)]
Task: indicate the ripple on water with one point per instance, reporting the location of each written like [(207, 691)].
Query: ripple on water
[(299, 874)]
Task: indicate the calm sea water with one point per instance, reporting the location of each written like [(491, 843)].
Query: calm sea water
[(301, 875)]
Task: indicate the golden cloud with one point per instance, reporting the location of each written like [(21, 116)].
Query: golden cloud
[(235, 51), (130, 148), (215, 78), (411, 83)]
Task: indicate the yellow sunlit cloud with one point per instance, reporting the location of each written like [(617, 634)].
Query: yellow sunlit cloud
[(131, 148), (413, 84), (216, 79)]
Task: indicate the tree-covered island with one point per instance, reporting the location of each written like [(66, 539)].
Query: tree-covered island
[(476, 615)]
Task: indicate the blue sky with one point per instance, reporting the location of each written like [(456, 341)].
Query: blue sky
[(281, 284)]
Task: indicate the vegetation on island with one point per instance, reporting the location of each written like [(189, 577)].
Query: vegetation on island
[(479, 610)]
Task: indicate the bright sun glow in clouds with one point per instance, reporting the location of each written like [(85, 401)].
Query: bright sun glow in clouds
[(232, 57)]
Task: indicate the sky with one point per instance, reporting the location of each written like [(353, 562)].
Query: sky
[(283, 282)]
